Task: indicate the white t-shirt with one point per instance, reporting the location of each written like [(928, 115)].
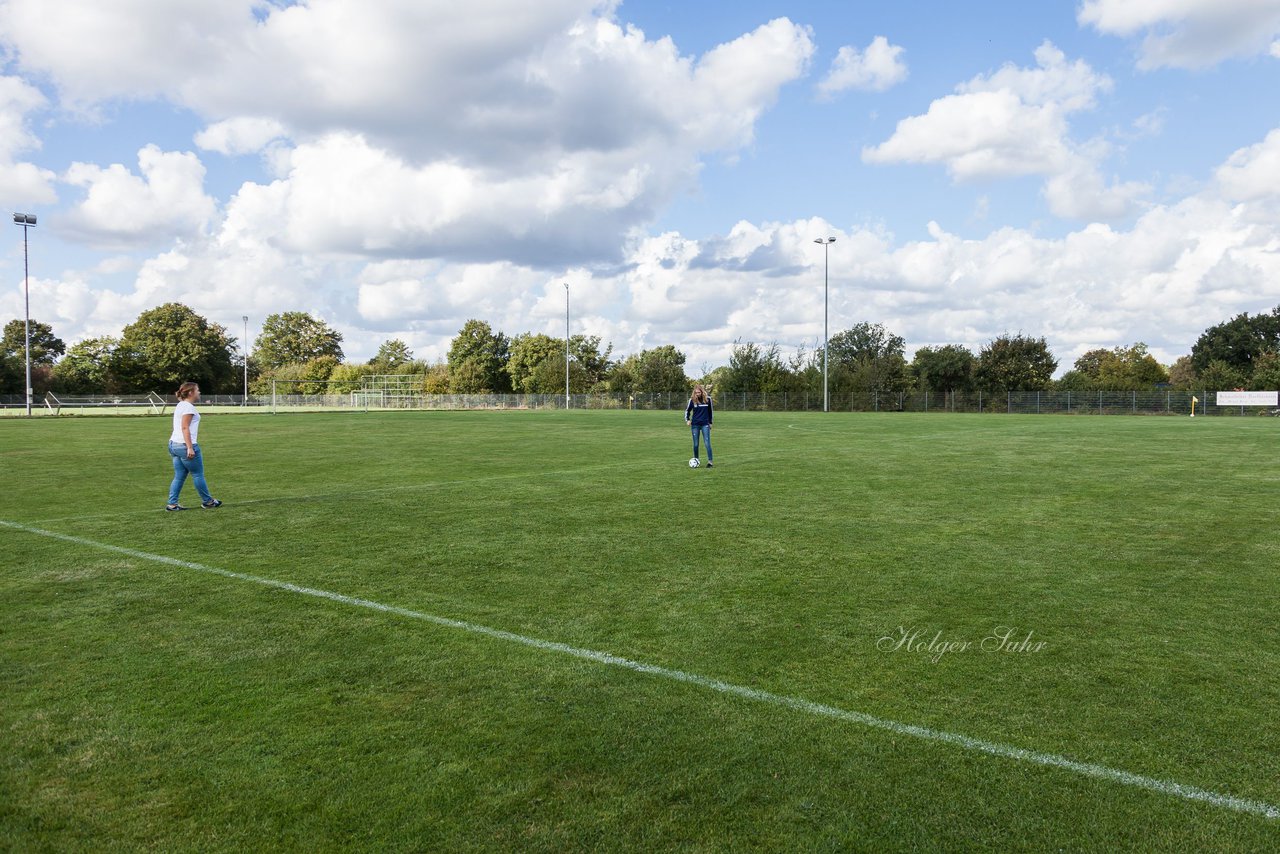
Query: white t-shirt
[(185, 407)]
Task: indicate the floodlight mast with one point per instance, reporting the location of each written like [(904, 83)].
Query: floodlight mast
[(27, 221), (826, 275), (245, 318), (566, 345)]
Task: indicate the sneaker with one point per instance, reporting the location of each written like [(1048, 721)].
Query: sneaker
[(209, 505), (173, 508), (708, 465)]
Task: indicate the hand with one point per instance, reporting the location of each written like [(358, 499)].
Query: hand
[(191, 453), (686, 422)]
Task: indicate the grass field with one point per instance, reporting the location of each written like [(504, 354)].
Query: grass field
[(160, 705)]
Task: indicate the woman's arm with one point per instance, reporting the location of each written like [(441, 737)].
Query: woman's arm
[(186, 436), (687, 410), (711, 411)]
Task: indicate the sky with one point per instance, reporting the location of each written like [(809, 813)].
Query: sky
[(1097, 172)]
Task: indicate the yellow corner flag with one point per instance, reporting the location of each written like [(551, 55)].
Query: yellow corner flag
[(1194, 401)]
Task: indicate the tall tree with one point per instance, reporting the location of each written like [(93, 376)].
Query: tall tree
[(548, 376), (945, 368), (661, 369), (1182, 374), (478, 359), (596, 363), (804, 371), (1120, 369), (392, 354), (12, 375), (1015, 363), (622, 377), (295, 337), (169, 345), (1131, 368), (753, 368), (1266, 372), (1219, 375), (45, 346), (86, 368), (1238, 341), (864, 341), (436, 379), (867, 357), (525, 356), (311, 377)]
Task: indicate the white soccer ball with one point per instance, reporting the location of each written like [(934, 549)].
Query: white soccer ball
[(693, 462)]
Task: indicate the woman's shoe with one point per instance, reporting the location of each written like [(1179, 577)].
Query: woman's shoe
[(173, 508), (209, 505)]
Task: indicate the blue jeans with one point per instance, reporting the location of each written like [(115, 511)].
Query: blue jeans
[(183, 467), (704, 431)]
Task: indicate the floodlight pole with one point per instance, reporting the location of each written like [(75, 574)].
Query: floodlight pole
[(826, 275), (27, 221), (245, 348), (566, 345)]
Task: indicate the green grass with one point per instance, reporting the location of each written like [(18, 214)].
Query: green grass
[(147, 705)]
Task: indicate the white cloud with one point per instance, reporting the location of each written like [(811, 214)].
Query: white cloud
[(166, 200), (341, 195), (1014, 122), (242, 135), (1206, 257), (491, 81), (877, 68), (1067, 86), (501, 129), (1188, 33), (1080, 192), (1275, 49), (1253, 172), (1150, 124), (23, 183)]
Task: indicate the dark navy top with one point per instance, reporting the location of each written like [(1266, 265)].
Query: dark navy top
[(698, 414)]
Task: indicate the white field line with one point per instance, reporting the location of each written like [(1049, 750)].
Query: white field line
[(977, 745)]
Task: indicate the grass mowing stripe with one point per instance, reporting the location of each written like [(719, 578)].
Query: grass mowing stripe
[(1050, 760), (392, 490)]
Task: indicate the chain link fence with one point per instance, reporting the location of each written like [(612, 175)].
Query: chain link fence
[(1161, 402), (1156, 402)]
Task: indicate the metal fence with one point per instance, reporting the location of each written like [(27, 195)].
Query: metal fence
[(1162, 402), (1156, 402)]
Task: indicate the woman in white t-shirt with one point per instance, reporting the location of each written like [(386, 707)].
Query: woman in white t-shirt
[(184, 448)]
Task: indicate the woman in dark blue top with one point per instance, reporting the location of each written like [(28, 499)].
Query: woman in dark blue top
[(698, 415)]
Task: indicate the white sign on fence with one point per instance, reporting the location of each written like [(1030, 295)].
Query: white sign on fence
[(1248, 398)]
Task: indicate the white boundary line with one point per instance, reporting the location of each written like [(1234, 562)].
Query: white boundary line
[(991, 748)]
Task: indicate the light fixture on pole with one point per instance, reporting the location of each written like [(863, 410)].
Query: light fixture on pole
[(566, 345), (826, 275), (245, 350), (27, 221)]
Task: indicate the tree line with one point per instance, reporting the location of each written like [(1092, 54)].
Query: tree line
[(171, 343)]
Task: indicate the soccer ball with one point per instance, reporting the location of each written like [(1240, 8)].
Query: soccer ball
[(693, 462)]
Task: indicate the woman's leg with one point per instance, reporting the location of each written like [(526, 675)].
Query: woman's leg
[(706, 435), (179, 478), (196, 467), (696, 431)]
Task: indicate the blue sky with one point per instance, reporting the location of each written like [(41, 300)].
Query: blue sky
[(1098, 172)]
